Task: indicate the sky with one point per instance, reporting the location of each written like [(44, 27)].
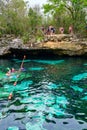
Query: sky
[(36, 2)]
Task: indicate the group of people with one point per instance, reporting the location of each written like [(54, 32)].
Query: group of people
[(51, 30), (10, 73), (70, 30)]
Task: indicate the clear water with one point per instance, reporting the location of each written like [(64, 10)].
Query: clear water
[(53, 97)]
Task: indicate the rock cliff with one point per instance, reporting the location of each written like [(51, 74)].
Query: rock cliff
[(58, 44)]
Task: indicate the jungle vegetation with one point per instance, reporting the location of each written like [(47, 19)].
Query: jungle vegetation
[(18, 18)]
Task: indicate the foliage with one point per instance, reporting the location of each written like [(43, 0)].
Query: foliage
[(73, 11), (35, 19), (19, 19), (16, 19)]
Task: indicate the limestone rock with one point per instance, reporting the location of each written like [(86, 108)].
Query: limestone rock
[(59, 44)]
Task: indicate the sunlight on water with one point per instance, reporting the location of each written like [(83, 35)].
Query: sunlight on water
[(51, 62), (37, 126), (76, 88), (19, 61), (85, 64), (84, 98), (36, 68), (49, 95), (51, 85), (13, 128), (80, 76)]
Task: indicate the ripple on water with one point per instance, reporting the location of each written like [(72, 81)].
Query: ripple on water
[(13, 128), (49, 99), (79, 77)]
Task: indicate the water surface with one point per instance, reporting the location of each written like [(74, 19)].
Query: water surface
[(50, 95)]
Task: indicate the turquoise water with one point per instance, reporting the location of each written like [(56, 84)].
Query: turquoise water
[(49, 95)]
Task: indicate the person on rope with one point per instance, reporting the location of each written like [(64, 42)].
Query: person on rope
[(10, 96), (20, 69)]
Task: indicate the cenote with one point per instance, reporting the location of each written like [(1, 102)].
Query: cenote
[(49, 95)]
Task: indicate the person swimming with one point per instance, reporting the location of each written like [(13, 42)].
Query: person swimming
[(12, 70), (8, 73)]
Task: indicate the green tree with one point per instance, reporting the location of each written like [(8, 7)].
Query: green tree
[(35, 22), (35, 18), (15, 18), (70, 9), (13, 12)]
